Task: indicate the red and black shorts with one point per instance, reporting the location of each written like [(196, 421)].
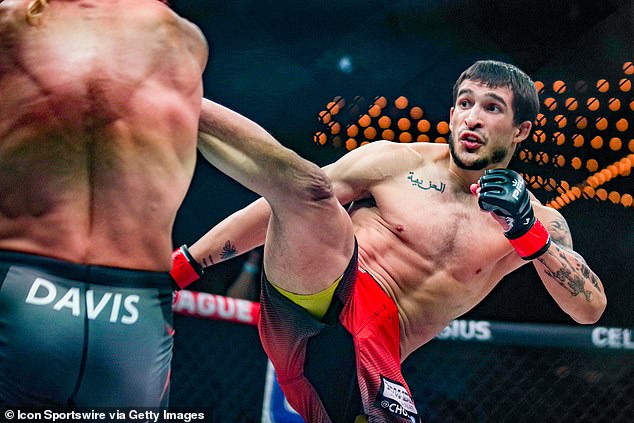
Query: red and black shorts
[(344, 365)]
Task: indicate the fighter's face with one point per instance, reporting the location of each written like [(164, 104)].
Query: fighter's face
[(483, 133)]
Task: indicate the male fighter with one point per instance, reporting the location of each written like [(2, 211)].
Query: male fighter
[(348, 295), (99, 108)]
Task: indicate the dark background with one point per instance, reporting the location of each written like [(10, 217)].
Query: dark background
[(280, 62)]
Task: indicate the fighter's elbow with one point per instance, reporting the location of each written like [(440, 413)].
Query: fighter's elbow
[(593, 312)]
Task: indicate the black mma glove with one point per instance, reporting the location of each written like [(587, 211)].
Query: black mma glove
[(503, 192)]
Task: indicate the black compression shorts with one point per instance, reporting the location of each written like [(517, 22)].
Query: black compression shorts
[(83, 336)]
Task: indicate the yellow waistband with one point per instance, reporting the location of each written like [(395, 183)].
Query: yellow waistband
[(316, 304)]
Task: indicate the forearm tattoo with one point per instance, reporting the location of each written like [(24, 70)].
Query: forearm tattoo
[(228, 250), (560, 233), (571, 276), (208, 261)]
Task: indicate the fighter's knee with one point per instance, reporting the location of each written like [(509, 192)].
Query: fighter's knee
[(298, 179), (34, 11), (302, 179), (316, 185)]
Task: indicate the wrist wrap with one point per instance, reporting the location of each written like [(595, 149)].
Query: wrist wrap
[(533, 243), (185, 269)]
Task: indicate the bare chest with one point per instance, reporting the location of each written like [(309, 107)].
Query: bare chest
[(431, 248), (442, 225)]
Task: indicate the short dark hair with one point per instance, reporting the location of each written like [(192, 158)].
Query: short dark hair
[(495, 74)]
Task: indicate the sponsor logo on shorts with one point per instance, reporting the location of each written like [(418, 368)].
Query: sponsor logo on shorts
[(395, 399), (116, 306)]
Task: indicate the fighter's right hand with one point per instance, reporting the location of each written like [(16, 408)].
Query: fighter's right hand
[(185, 269)]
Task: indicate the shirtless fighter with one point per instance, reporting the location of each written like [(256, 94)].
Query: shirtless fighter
[(338, 316), (99, 108)]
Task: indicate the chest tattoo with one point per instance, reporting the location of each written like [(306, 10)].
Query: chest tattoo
[(425, 185)]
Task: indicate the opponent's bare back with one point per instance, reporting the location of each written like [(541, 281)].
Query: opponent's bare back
[(99, 107)]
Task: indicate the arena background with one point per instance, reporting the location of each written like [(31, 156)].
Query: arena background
[(309, 72)]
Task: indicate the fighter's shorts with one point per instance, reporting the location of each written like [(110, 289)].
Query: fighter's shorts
[(83, 336), (345, 365)]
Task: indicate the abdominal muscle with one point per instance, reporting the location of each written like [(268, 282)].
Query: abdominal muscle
[(426, 291)]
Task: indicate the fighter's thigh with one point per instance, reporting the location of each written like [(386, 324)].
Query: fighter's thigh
[(308, 246), (129, 350), (41, 337)]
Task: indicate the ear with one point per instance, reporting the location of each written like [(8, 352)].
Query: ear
[(522, 131), (451, 115)]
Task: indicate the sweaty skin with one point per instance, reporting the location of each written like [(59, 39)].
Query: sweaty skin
[(98, 128)]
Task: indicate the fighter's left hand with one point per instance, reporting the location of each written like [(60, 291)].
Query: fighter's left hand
[(503, 193)]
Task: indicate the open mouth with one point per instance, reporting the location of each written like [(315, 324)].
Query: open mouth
[(471, 140)]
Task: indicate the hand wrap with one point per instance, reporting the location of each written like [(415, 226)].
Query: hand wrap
[(185, 270)]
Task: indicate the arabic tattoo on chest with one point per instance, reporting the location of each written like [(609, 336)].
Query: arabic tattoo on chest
[(425, 185)]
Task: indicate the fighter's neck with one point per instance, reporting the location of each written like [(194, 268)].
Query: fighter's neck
[(463, 178)]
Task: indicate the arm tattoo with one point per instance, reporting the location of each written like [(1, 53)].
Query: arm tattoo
[(570, 276), (560, 233), (229, 250), (208, 261)]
